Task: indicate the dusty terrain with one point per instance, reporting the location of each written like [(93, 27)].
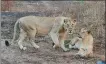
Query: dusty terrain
[(46, 54)]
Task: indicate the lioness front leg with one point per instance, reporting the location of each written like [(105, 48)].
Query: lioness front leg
[(54, 37), (63, 46), (62, 37), (54, 34)]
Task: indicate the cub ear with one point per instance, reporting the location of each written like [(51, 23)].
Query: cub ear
[(83, 30), (89, 31), (74, 20)]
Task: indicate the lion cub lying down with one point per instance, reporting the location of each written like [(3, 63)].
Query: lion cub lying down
[(84, 44)]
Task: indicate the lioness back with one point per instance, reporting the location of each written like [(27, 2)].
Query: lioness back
[(42, 24)]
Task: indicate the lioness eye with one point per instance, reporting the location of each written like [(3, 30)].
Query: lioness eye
[(65, 21)]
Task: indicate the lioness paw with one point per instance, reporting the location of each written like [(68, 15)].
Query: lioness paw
[(24, 48), (37, 47), (54, 46)]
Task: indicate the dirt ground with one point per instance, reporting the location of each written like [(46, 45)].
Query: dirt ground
[(45, 55)]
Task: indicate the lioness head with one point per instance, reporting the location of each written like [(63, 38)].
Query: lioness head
[(69, 24)]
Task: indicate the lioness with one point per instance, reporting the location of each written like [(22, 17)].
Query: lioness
[(30, 26), (84, 44)]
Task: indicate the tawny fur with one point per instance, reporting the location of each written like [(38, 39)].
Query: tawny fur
[(30, 26), (84, 44)]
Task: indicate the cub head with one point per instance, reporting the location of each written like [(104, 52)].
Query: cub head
[(84, 31)]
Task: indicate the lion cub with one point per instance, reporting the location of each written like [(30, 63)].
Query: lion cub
[(84, 44)]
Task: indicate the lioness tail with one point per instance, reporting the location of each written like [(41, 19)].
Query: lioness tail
[(14, 35)]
